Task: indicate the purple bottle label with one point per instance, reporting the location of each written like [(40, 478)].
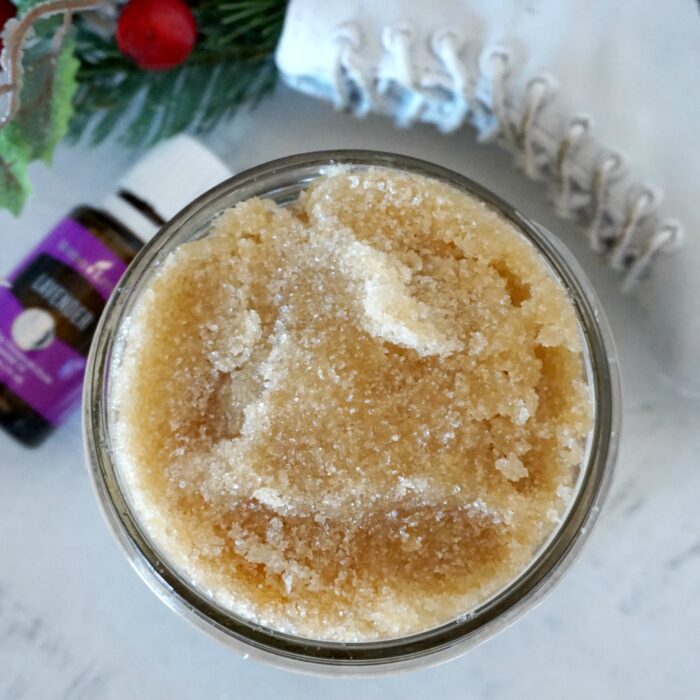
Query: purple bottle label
[(48, 315)]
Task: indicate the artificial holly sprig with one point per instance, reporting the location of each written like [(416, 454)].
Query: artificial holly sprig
[(144, 69), (230, 65)]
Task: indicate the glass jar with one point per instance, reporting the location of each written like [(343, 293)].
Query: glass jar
[(282, 181)]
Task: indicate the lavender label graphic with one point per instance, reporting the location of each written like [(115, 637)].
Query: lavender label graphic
[(48, 316)]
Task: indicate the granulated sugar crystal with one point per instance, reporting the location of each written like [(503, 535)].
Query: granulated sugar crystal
[(355, 418)]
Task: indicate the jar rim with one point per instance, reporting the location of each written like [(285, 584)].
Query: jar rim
[(285, 178)]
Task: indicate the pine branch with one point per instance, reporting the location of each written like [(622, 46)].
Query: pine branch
[(231, 66)]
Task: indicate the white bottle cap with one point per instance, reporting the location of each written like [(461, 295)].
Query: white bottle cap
[(164, 181)]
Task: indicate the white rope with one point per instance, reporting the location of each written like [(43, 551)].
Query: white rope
[(539, 90), (446, 44), (396, 41), (667, 239), (607, 170), (348, 77), (495, 63), (640, 206), (575, 132)]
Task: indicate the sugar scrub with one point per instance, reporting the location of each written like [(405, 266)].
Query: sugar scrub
[(357, 417)]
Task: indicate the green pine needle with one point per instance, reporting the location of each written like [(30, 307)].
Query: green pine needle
[(232, 66)]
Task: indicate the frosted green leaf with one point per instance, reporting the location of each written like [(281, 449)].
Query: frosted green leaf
[(49, 85), (14, 159), (42, 120)]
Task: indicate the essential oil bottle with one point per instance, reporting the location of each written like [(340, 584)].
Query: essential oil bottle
[(51, 302)]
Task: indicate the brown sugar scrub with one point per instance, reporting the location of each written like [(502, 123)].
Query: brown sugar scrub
[(355, 418)]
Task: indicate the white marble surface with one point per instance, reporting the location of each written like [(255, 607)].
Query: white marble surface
[(76, 622)]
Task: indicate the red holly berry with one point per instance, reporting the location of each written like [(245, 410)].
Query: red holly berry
[(7, 11), (157, 34)]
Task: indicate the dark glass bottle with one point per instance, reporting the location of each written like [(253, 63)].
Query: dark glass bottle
[(51, 304), (56, 300)]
